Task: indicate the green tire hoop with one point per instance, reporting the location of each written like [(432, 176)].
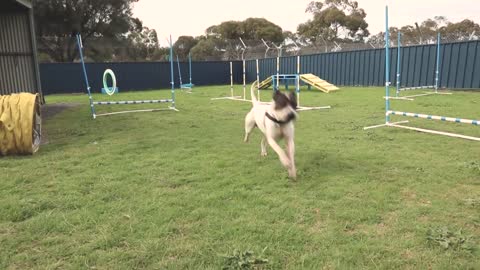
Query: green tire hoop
[(109, 90)]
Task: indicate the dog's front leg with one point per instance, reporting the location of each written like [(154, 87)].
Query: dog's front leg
[(292, 171), (281, 154), (263, 146)]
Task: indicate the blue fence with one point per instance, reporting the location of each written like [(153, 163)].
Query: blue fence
[(67, 77), (459, 68)]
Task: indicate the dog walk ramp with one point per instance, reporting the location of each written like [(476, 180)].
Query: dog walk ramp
[(318, 83)]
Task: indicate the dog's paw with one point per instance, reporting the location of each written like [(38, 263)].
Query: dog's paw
[(292, 174), (264, 154)]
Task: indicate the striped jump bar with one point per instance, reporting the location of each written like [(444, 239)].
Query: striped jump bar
[(435, 117), (132, 102), (417, 87)]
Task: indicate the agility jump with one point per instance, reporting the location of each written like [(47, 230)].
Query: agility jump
[(389, 112), (437, 74), (93, 103)]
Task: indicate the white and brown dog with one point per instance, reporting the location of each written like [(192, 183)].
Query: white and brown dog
[(276, 121)]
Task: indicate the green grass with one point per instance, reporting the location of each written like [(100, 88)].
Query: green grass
[(180, 190)]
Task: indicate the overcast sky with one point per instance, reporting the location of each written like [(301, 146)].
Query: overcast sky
[(192, 17)]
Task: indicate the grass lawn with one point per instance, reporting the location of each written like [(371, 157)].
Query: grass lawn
[(180, 190)]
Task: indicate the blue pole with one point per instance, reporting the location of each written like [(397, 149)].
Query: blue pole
[(399, 49), (387, 67), (190, 67), (80, 49), (179, 73), (171, 73), (437, 72)]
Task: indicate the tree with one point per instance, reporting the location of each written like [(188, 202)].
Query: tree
[(426, 32), (249, 29), (334, 20), (183, 45), (57, 19), (206, 49), (222, 41)]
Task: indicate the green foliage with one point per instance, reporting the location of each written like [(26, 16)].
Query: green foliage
[(249, 29), (183, 45), (106, 22), (245, 260), (449, 239), (206, 49), (426, 32), (334, 20)]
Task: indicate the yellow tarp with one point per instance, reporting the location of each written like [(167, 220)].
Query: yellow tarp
[(20, 124)]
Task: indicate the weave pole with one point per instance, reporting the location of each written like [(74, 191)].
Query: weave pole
[(389, 112), (232, 97)]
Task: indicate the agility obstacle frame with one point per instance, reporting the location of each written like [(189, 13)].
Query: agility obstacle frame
[(130, 102), (232, 96), (295, 77), (435, 87), (389, 112)]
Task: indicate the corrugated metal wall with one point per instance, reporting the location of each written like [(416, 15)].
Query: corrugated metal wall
[(18, 70), (68, 77), (460, 66)]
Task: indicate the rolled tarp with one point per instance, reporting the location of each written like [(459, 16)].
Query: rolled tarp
[(20, 124)]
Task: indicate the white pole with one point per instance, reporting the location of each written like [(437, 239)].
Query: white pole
[(258, 81), (244, 82), (298, 80), (231, 79), (278, 73), (436, 132)]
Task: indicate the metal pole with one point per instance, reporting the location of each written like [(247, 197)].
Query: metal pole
[(231, 79), (244, 82), (258, 81), (298, 81), (387, 68), (190, 67), (171, 73), (80, 49), (179, 72), (278, 73), (437, 72), (399, 49)]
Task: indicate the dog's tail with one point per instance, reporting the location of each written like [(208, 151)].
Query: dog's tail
[(252, 92)]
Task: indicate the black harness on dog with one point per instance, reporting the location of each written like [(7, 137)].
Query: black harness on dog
[(290, 117)]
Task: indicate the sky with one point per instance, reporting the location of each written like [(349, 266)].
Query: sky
[(192, 17)]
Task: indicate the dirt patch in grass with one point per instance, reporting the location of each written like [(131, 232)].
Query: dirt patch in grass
[(50, 110)]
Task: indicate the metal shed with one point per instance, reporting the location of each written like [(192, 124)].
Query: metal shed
[(19, 70)]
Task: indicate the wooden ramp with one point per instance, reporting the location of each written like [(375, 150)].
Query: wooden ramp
[(309, 79), (318, 83), (265, 83)]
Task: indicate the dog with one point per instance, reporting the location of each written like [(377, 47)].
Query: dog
[(276, 121)]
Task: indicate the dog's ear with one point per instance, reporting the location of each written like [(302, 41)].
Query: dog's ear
[(292, 99)]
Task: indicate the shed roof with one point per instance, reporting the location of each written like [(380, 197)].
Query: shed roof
[(15, 5)]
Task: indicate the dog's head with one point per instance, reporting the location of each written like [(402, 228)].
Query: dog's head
[(285, 106), (283, 101)]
